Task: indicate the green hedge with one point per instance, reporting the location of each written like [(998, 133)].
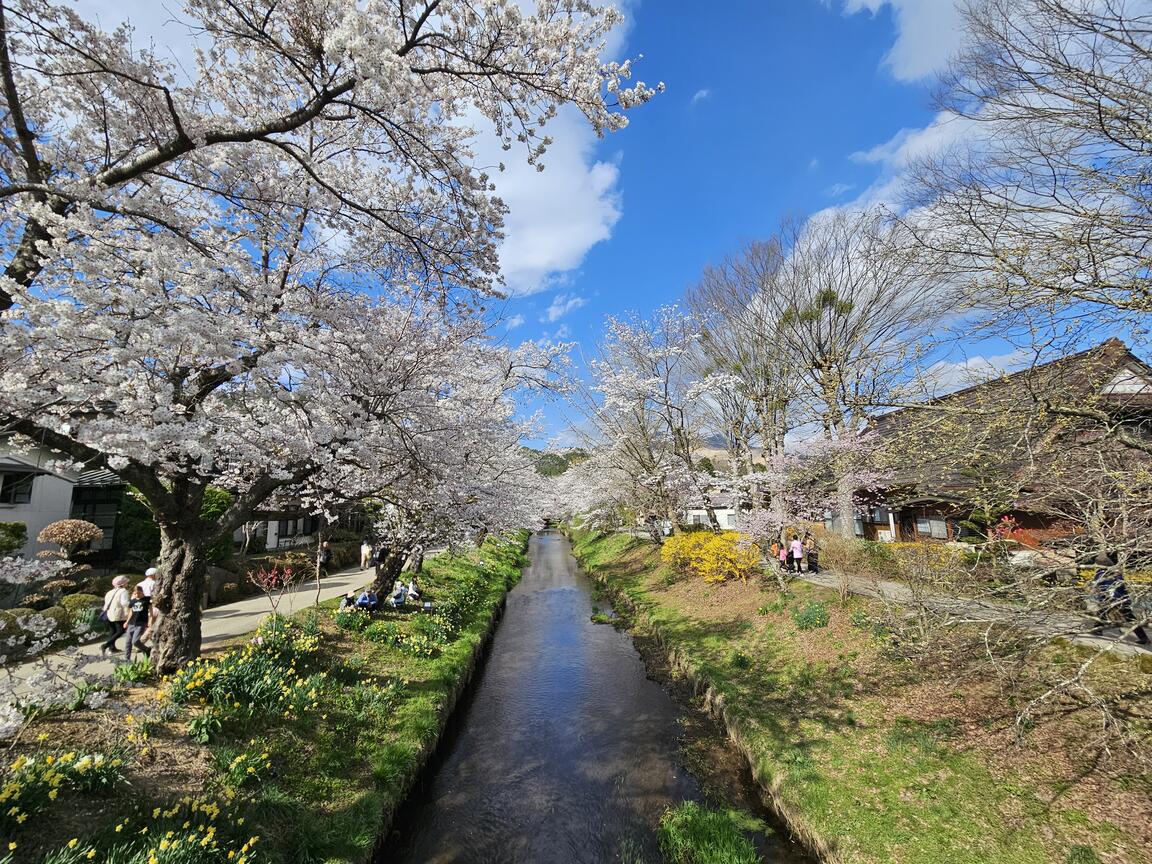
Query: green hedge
[(13, 536)]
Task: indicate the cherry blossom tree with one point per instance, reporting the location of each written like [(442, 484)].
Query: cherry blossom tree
[(642, 406), (263, 273)]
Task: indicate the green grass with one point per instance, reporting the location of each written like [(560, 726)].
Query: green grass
[(340, 773), (315, 779), (691, 834), (877, 787)]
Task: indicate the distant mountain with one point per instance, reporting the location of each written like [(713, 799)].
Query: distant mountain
[(553, 463)]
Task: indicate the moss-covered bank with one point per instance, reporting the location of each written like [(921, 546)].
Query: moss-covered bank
[(868, 759)]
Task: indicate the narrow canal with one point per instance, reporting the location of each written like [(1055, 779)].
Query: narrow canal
[(564, 751)]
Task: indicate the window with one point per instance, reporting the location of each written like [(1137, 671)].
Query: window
[(297, 527), (99, 505), (16, 488), (923, 526), (878, 516)]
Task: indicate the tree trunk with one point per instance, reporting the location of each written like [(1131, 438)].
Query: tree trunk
[(846, 506), (177, 598), (415, 562), (319, 550), (388, 569)]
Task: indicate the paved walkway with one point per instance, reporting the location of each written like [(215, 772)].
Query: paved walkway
[(220, 624), (1076, 628)]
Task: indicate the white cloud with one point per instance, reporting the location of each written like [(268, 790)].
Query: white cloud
[(951, 375), (557, 215), (514, 322), (562, 304), (928, 33), (700, 95), (895, 156), (838, 189), (814, 164)]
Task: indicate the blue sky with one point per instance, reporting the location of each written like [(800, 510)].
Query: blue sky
[(773, 108)]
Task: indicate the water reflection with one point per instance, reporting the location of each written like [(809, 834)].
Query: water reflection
[(565, 752)]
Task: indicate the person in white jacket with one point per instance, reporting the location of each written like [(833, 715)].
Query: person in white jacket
[(115, 612)]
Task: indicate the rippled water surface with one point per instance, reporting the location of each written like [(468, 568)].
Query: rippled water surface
[(563, 752)]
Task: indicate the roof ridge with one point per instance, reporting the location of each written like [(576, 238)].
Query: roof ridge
[(1112, 343)]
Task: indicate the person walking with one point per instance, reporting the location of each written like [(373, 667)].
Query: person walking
[(115, 612), (783, 556), (139, 609), (1113, 602), (795, 553), (812, 552), (365, 554), (148, 583), (324, 557)]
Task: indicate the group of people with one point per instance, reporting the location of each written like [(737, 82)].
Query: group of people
[(793, 554), (369, 600), (128, 613)]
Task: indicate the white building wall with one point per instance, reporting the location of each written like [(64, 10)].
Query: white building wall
[(51, 501), (725, 516), (51, 498)]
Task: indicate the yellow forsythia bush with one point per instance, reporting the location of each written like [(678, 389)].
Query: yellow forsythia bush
[(711, 556), (681, 550)]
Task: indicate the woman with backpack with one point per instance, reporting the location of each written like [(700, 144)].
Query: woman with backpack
[(115, 612)]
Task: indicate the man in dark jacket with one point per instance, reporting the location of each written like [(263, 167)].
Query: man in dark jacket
[(324, 558), (1114, 603)]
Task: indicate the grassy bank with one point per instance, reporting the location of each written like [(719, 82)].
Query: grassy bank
[(870, 758), (295, 746)]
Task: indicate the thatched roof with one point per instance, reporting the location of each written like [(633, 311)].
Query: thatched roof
[(1013, 433)]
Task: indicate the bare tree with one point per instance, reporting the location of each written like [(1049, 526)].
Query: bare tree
[(854, 300), (741, 344), (1047, 207)]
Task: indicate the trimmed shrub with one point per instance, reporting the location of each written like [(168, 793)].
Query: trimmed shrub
[(78, 606), (61, 616)]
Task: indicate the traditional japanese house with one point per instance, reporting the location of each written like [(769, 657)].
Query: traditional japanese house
[(1015, 451)]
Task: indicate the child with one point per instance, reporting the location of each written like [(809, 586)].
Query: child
[(137, 622)]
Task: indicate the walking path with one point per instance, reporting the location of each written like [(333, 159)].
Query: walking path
[(1076, 628), (219, 625)]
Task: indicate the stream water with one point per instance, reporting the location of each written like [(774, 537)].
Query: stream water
[(563, 750)]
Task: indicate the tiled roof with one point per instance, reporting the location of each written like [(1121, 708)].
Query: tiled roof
[(100, 477)]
